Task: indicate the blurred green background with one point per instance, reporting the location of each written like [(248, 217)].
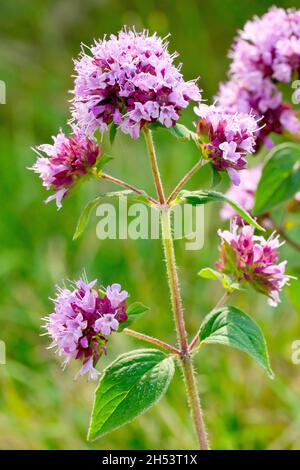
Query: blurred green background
[(41, 407)]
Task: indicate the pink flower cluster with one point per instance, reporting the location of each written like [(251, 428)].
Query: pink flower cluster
[(129, 80), (252, 259), (83, 320), (227, 138), (265, 53), (68, 158)]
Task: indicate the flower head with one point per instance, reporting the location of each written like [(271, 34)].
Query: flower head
[(129, 80), (252, 259), (82, 321), (68, 159), (228, 138), (265, 53)]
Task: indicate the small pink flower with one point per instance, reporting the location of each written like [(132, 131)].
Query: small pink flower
[(106, 323), (88, 368), (116, 295)]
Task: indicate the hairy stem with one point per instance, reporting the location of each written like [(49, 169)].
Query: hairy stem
[(222, 300), (128, 186), (194, 401), (186, 359), (184, 180), (154, 166), (152, 340), (173, 280)]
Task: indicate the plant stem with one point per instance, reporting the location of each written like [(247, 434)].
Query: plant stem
[(186, 359), (194, 401), (222, 300), (154, 166), (128, 186), (152, 340), (173, 280), (183, 181)]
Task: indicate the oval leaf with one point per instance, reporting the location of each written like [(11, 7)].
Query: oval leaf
[(205, 196), (181, 132), (209, 273), (232, 327), (228, 283), (134, 311), (84, 217), (128, 387), (280, 179), (85, 214)]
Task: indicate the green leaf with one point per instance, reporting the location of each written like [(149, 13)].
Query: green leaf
[(140, 198), (230, 284), (134, 312), (128, 387), (112, 132), (208, 273), (232, 327), (280, 179), (227, 282), (85, 214), (205, 196), (182, 133)]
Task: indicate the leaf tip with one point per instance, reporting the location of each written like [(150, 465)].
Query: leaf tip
[(91, 436), (260, 227)]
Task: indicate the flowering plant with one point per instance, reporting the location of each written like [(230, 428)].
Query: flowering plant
[(129, 83)]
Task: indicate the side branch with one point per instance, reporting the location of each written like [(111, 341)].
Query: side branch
[(154, 165), (128, 186), (152, 340), (184, 180)]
